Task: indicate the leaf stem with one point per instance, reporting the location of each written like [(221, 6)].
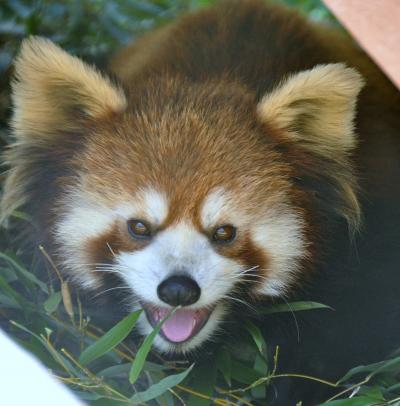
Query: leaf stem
[(216, 401), (351, 388), (269, 377), (109, 389)]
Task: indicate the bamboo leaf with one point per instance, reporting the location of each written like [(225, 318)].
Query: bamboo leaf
[(204, 380), (159, 388), (256, 335), (8, 301), (52, 302), (294, 307), (224, 364), (391, 365), (111, 339), (144, 349), (23, 272), (14, 297), (356, 401)]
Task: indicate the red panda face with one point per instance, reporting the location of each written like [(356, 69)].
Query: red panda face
[(185, 191), (185, 211)]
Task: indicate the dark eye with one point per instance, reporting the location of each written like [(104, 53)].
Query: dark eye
[(224, 234), (139, 229)]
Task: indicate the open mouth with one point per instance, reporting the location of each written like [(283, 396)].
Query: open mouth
[(182, 325)]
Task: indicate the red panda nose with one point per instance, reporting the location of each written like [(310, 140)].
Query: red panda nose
[(179, 290)]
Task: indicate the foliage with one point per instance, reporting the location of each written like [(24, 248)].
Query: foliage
[(44, 318), (99, 366)]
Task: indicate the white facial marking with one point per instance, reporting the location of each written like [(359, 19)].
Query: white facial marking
[(180, 249), (213, 208), (219, 207), (155, 205), (84, 219), (281, 236), (279, 233), (148, 204)]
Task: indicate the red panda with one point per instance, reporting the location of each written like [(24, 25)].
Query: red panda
[(239, 154)]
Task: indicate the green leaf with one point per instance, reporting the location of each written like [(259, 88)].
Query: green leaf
[(21, 216), (159, 388), (23, 328), (224, 364), (259, 392), (87, 395), (294, 307), (356, 401), (394, 388), (257, 336), (373, 392), (59, 358), (14, 297), (111, 339), (144, 349), (166, 399), (260, 365), (123, 369), (244, 374), (153, 367), (51, 304), (361, 369), (203, 381), (9, 274), (23, 272), (108, 402), (115, 370), (391, 365), (36, 347), (7, 301)]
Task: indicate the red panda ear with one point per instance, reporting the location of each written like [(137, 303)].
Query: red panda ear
[(50, 85), (315, 111), (316, 107), (52, 92)]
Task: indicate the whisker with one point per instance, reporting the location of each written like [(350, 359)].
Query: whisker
[(244, 271), (105, 266), (242, 302), (108, 271), (111, 250), (244, 280), (257, 277), (294, 318), (110, 289)]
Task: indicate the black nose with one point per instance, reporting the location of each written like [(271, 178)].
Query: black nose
[(179, 290)]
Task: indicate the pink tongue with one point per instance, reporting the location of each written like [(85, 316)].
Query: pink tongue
[(180, 326)]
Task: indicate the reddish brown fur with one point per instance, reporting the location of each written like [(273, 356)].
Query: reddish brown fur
[(180, 82)]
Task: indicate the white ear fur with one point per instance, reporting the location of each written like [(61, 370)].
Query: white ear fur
[(316, 106), (50, 84)]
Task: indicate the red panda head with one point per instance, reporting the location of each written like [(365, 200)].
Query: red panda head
[(185, 191)]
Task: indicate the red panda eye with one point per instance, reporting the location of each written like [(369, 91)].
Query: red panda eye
[(223, 234), (139, 229)]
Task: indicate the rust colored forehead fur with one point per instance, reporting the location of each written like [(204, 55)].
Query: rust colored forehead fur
[(184, 140)]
